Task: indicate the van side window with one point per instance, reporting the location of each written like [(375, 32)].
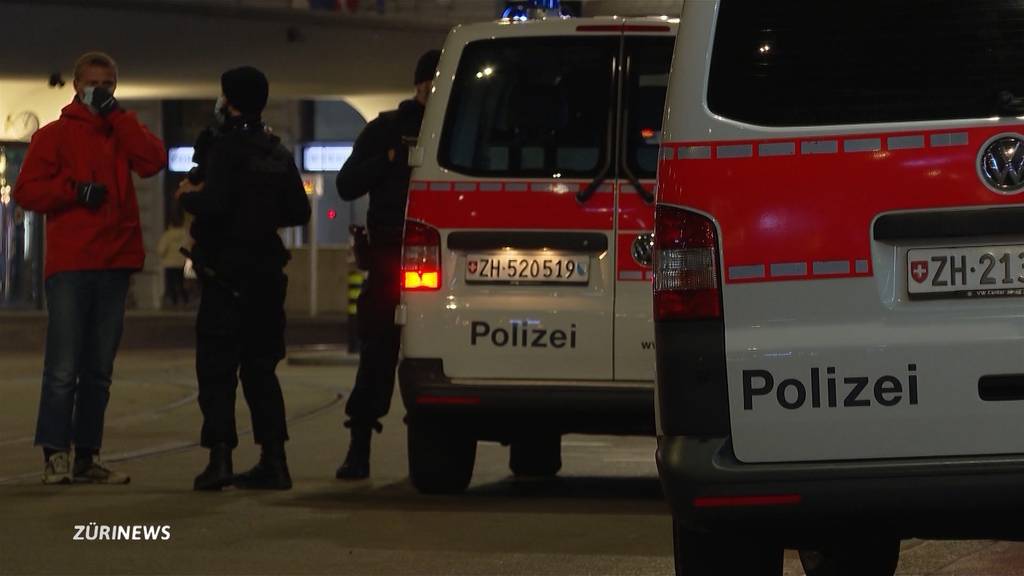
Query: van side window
[(814, 63), (530, 107)]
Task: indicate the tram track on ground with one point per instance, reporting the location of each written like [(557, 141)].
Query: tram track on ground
[(118, 421), (174, 447)]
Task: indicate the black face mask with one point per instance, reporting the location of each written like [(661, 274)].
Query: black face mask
[(92, 96)]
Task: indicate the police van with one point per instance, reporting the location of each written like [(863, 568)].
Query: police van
[(526, 276), (839, 281)]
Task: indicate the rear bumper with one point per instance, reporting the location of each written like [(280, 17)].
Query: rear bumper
[(507, 410), (801, 504)]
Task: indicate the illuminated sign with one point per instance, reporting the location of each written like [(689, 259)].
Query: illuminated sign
[(180, 159), (325, 157)]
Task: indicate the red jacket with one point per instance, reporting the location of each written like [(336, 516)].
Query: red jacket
[(81, 147)]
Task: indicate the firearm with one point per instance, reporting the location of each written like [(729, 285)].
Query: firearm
[(208, 273)]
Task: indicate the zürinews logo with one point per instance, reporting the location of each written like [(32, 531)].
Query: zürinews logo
[(93, 532)]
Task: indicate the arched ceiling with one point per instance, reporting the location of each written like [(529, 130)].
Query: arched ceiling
[(173, 50)]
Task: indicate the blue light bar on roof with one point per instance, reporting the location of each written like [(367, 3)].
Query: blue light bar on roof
[(546, 4), (533, 8), (516, 13)]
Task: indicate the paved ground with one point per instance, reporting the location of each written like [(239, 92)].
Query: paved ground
[(603, 516), (24, 331)]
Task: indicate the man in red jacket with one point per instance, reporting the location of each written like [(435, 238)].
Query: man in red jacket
[(78, 171)]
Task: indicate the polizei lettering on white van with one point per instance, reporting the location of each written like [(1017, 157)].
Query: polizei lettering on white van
[(856, 391), (521, 335)]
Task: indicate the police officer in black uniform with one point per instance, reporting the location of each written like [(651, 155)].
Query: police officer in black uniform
[(248, 187), (379, 167)]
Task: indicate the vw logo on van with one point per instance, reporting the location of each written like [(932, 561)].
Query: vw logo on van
[(643, 249), (1001, 163)]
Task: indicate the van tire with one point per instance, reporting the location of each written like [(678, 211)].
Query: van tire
[(718, 554), (441, 459), (536, 456), (877, 557)]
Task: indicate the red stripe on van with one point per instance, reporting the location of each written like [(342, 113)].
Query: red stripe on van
[(634, 213), (635, 217), (806, 203), (539, 206)]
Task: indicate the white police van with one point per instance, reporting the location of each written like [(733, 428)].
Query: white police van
[(526, 302), (839, 293)]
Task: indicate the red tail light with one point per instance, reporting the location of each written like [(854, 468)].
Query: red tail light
[(421, 257), (687, 285)]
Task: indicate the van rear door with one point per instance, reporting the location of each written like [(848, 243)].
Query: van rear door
[(524, 202), (871, 231), (647, 54)]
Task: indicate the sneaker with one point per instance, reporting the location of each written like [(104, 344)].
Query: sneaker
[(58, 469), (95, 472)]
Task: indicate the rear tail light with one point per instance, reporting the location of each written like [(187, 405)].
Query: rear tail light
[(421, 257), (687, 285)]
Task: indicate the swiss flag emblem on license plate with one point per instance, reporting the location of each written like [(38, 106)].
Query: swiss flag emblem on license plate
[(471, 266), (919, 270)]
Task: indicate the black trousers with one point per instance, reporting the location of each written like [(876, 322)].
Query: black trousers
[(241, 337), (379, 338)]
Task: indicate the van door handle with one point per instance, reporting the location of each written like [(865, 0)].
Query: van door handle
[(1001, 387)]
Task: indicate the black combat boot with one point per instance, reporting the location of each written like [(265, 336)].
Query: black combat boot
[(357, 461), (218, 472), (270, 473)]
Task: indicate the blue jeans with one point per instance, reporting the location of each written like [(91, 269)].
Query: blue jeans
[(86, 318)]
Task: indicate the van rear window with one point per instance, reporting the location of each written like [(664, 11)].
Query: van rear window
[(809, 62), (530, 107), (648, 59)]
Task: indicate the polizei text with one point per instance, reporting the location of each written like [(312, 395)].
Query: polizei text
[(834, 392), (521, 335)]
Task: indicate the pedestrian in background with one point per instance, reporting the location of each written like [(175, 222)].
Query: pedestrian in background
[(78, 171), (379, 166), (174, 238), (247, 188)]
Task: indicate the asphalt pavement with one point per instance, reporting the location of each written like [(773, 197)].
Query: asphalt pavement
[(603, 515)]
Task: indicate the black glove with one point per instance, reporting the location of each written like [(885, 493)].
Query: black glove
[(103, 101), (196, 175), (91, 194)]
